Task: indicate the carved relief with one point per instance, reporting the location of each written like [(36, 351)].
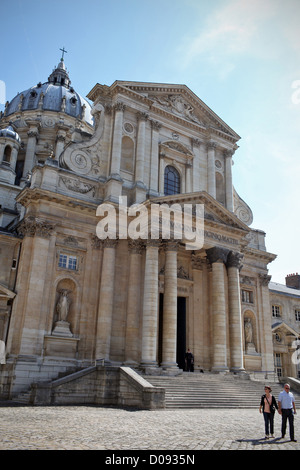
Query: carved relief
[(78, 186), (83, 158), (177, 105), (241, 209)]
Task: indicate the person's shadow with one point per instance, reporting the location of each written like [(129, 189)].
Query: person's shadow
[(263, 441)]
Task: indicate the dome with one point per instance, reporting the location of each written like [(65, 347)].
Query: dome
[(54, 95), (9, 132)]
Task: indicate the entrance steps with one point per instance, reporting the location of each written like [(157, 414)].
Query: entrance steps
[(208, 390)]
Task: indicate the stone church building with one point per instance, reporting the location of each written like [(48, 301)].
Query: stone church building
[(69, 299)]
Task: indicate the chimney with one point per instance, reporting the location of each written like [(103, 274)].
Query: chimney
[(293, 280)]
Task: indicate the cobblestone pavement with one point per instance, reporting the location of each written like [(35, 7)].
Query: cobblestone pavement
[(105, 428)]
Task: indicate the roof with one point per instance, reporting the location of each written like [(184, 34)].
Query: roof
[(54, 95), (283, 289)]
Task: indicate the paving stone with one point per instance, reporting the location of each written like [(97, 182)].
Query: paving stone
[(105, 428)]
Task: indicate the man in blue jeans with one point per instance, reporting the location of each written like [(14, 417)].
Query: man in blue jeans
[(287, 409)]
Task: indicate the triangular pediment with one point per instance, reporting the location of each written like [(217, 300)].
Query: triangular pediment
[(176, 100), (215, 214), (284, 328)]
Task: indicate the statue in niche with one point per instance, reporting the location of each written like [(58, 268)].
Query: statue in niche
[(63, 305), (250, 347), (248, 331), (62, 326)]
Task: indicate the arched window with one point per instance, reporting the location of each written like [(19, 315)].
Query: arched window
[(172, 181), (7, 154)]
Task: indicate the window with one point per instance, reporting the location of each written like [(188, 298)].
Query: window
[(7, 155), (247, 296), (278, 364), (67, 261), (297, 314), (276, 311), (172, 181)]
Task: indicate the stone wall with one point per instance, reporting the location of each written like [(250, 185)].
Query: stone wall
[(117, 386)]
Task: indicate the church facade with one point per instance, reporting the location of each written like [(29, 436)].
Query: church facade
[(71, 298)]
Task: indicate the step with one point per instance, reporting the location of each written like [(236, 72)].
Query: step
[(212, 391)]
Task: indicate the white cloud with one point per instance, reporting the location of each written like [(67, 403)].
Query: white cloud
[(257, 28)]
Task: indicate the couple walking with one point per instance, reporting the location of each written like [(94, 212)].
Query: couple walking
[(286, 408)]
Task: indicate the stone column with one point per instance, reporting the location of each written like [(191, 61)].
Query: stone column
[(188, 176), (169, 329), (140, 148), (235, 314), (30, 311), (106, 298), (30, 151), (265, 323), (196, 174), (133, 303), (211, 173), (217, 257), (228, 179), (117, 140), (154, 171), (150, 306)]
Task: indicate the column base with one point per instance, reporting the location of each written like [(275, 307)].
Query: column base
[(169, 365), (220, 369), (149, 367)]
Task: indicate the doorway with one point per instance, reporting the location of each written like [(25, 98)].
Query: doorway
[(181, 330)]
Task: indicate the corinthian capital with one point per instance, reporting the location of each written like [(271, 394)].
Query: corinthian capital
[(217, 254), (234, 260), (119, 106), (142, 116), (31, 227)]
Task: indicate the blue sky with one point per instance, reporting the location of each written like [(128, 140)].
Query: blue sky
[(241, 57)]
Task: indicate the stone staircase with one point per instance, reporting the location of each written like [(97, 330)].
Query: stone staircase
[(196, 390)]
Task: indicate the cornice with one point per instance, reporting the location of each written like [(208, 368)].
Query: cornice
[(134, 90), (28, 195)]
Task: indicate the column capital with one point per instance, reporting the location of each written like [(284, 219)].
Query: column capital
[(171, 245), (136, 246), (153, 243), (119, 106), (264, 279), (141, 116), (211, 145), (32, 226), (217, 254), (110, 243), (155, 125), (234, 260), (228, 153), (198, 262), (196, 142)]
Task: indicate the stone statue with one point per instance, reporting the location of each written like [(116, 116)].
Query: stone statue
[(248, 331), (250, 346), (63, 305)]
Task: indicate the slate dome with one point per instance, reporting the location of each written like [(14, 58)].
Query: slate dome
[(56, 94)]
